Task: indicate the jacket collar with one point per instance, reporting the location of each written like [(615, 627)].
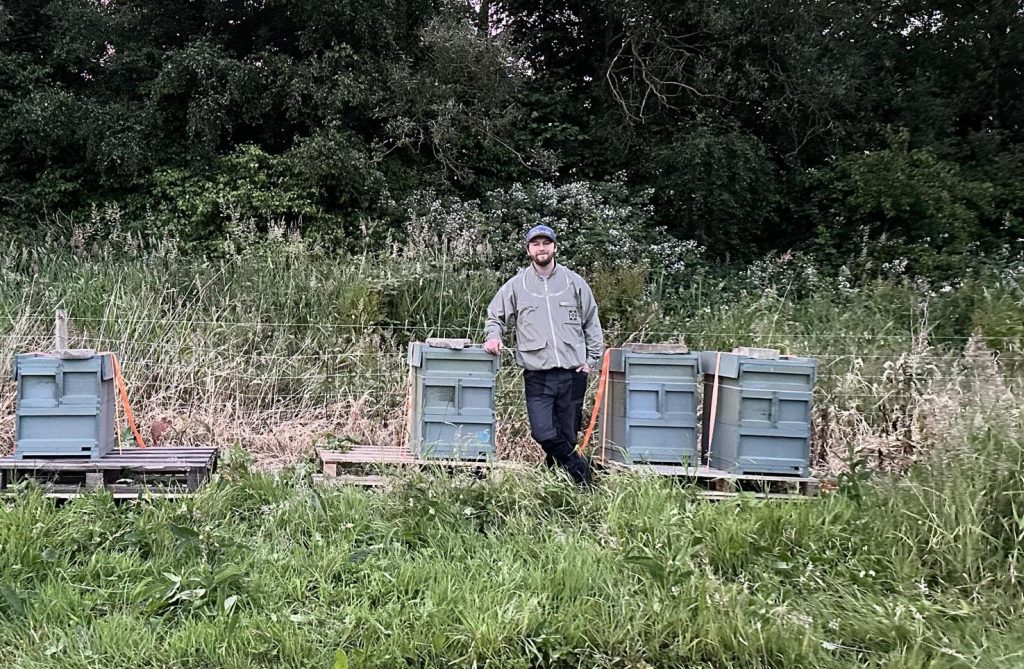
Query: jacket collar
[(554, 270)]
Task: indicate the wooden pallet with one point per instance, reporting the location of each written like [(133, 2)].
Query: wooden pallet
[(126, 473), (724, 483), (362, 464)]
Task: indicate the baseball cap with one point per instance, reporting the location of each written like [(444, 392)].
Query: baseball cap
[(541, 231)]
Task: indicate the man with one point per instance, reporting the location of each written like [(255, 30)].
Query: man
[(558, 343)]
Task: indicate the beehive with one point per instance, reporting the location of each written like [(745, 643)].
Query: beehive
[(652, 405), (452, 401), (762, 422), (64, 407)]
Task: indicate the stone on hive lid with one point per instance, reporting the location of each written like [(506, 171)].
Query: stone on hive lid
[(757, 353), (657, 348), (454, 344)]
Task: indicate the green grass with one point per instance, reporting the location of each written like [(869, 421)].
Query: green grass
[(520, 571)]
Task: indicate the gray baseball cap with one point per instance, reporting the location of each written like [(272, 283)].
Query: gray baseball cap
[(541, 231)]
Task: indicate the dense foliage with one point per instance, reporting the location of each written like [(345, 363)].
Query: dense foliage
[(894, 125)]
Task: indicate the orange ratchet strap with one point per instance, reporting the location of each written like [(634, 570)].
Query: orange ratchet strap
[(602, 384), (123, 391)]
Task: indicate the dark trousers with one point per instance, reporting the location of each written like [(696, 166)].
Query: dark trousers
[(554, 402)]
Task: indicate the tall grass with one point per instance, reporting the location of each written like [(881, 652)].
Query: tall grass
[(281, 346)]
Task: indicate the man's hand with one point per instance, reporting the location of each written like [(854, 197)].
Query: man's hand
[(493, 346), (585, 368)]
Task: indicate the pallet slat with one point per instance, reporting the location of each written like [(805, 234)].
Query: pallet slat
[(144, 459), (708, 472), (135, 450), (167, 467), (365, 455)]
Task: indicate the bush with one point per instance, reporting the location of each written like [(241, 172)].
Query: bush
[(247, 187), (900, 202)]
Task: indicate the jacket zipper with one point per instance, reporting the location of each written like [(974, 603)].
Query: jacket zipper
[(551, 322)]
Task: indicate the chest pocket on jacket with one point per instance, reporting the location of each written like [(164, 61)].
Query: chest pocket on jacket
[(570, 312)]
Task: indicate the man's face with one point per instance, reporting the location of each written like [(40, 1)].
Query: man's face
[(541, 251)]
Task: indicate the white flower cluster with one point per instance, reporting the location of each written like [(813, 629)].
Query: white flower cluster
[(790, 273), (896, 266), (598, 224), (445, 232)]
